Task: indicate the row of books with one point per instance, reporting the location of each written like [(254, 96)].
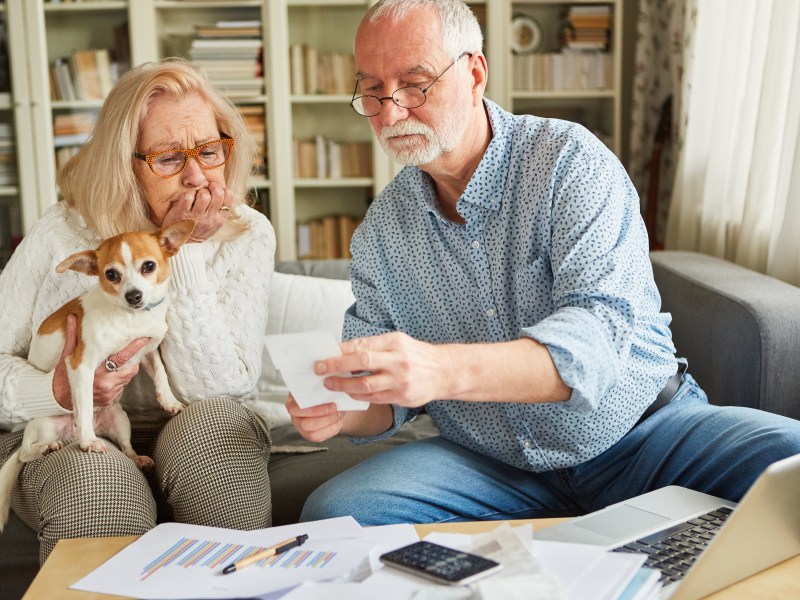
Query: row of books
[(588, 27), (326, 237), (324, 158), (231, 54), (316, 72), (83, 75), (256, 124), (63, 154), (8, 155), (563, 71)]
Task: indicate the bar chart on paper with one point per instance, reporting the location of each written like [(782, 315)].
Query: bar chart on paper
[(189, 553), (176, 560)]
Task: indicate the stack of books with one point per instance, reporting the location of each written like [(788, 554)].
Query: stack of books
[(323, 158), (326, 237), (588, 27), (83, 75), (315, 72), (8, 155), (70, 132), (231, 54)]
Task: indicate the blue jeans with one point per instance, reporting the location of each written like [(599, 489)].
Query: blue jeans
[(717, 450)]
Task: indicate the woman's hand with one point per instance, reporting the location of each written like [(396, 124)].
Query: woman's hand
[(316, 423), (208, 207), (108, 385)]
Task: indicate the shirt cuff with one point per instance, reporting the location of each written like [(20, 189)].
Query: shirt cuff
[(35, 393), (188, 266), (400, 417)]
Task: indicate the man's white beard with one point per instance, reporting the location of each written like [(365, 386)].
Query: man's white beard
[(427, 145)]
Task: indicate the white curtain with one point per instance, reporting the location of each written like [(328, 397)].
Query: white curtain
[(737, 188)]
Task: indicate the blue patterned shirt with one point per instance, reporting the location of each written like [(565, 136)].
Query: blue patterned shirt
[(554, 249)]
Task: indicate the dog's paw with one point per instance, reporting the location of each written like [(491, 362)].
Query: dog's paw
[(171, 405), (53, 446), (95, 445), (145, 463)]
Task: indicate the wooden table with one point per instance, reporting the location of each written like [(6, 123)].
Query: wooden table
[(73, 559)]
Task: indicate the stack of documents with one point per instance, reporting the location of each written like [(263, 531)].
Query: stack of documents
[(341, 560)]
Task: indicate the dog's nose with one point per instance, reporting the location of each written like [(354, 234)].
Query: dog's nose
[(133, 297)]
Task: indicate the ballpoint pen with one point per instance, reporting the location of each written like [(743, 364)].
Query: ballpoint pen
[(266, 553)]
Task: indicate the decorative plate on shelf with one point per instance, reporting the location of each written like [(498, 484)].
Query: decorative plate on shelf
[(526, 34)]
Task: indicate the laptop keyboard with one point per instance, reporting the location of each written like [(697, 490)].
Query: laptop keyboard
[(673, 551)]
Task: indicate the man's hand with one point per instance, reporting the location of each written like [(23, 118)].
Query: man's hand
[(108, 385), (399, 370), (203, 207), (316, 423)]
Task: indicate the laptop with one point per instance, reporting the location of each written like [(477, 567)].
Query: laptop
[(700, 543)]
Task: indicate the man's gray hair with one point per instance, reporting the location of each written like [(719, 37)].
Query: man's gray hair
[(460, 29)]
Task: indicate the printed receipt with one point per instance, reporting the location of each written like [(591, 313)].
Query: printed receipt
[(294, 355)]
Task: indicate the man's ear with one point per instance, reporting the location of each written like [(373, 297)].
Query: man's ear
[(82, 262), (172, 237)]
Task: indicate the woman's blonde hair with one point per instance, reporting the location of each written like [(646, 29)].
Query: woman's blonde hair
[(100, 181)]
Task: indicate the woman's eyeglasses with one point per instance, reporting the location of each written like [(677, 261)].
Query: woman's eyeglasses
[(210, 155)]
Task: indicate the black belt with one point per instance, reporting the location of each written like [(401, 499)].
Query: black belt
[(666, 395)]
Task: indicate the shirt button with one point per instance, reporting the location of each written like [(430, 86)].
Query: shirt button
[(526, 444), (490, 312), (476, 244)]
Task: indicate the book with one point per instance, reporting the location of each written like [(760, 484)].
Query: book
[(84, 63)]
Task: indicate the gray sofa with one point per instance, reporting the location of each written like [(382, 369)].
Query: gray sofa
[(739, 330)]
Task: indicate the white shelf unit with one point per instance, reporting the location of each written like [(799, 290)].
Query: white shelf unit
[(41, 31)]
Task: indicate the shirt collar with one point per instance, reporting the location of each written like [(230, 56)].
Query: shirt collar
[(485, 188)]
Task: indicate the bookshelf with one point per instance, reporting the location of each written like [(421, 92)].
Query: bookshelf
[(321, 166), (10, 205), (540, 72)]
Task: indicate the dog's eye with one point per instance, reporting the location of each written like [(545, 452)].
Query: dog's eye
[(112, 275), (148, 266)]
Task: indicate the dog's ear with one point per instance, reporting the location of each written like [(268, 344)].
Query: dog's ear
[(172, 237), (83, 262)]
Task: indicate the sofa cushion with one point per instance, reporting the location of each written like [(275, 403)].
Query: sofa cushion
[(299, 303)]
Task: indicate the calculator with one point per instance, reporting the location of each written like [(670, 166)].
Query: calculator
[(440, 563)]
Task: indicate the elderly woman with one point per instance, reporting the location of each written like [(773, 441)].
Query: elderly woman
[(166, 147)]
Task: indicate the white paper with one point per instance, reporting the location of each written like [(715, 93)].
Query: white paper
[(522, 576), (294, 355), (585, 572), (350, 591), (176, 560)]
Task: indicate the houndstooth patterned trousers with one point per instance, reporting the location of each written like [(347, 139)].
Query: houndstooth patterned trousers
[(211, 469)]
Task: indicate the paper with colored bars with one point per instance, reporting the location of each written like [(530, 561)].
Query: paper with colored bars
[(176, 560)]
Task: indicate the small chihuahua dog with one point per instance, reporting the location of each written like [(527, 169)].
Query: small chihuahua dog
[(129, 302)]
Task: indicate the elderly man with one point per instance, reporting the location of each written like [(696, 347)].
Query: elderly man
[(503, 286)]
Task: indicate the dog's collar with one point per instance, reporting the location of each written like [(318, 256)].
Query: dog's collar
[(154, 304)]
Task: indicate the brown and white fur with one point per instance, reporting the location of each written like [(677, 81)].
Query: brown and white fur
[(129, 302)]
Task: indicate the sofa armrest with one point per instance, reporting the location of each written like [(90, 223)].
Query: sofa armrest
[(739, 330)]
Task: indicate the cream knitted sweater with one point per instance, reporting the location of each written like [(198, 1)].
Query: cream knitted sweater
[(217, 318)]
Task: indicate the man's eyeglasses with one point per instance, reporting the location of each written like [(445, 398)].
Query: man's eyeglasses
[(405, 97), (171, 162)]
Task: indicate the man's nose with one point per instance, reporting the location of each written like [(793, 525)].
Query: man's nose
[(391, 112)]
